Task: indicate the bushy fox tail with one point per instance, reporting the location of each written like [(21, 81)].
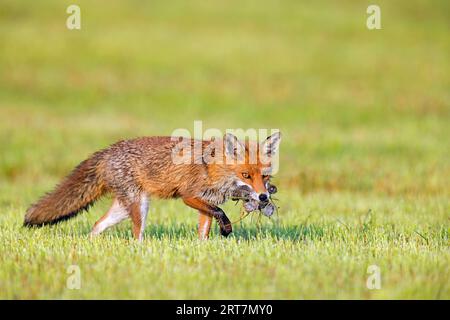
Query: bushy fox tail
[(77, 192)]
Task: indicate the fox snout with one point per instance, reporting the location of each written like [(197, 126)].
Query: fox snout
[(265, 206), (263, 197)]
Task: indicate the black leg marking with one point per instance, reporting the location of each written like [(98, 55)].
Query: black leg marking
[(224, 222)]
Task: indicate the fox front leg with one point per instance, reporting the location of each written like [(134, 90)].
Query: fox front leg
[(212, 211), (204, 225)]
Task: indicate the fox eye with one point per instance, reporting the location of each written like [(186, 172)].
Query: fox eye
[(265, 176), (245, 175)]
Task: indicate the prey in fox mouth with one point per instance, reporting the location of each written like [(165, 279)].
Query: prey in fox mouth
[(264, 205)]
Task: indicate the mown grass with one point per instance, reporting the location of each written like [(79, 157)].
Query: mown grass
[(319, 248), (364, 160)]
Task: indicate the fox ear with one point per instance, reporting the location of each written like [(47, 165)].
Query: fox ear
[(233, 147), (271, 145)]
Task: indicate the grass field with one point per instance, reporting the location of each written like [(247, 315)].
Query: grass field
[(364, 170)]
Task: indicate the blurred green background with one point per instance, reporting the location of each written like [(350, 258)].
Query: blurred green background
[(364, 114), (360, 110)]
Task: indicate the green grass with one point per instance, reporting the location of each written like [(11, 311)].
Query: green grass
[(320, 247), (364, 159)]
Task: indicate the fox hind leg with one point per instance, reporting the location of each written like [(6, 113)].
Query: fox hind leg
[(117, 213)]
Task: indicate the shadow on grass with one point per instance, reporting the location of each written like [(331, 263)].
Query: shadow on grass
[(289, 232), (178, 231)]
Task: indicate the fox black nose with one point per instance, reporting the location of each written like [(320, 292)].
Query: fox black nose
[(263, 197)]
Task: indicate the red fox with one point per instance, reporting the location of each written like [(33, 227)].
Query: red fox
[(135, 170)]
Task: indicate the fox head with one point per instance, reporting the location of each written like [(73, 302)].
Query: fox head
[(249, 163)]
